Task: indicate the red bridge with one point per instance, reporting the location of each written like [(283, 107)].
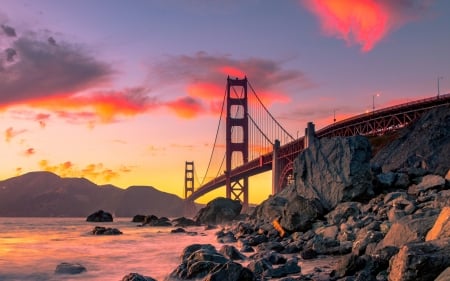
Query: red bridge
[(248, 128)]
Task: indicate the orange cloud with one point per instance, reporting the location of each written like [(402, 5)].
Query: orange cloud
[(11, 133), (90, 171), (30, 151), (94, 107), (186, 107), (363, 22), (208, 91)]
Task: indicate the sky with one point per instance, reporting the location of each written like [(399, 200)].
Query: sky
[(124, 92)]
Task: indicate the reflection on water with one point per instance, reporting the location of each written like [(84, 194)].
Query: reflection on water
[(31, 248)]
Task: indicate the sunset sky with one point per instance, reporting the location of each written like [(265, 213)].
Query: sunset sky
[(124, 92)]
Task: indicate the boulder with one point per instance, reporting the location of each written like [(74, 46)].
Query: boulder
[(421, 145), (138, 218), (427, 182), (137, 277), (100, 230), (444, 276), (199, 260), (343, 211), (408, 229), (218, 211), (230, 271), (272, 208), (183, 222), (441, 228), (100, 216), (420, 261), (334, 170), (231, 253), (299, 213), (69, 268)]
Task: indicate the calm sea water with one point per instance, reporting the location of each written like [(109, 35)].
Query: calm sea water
[(31, 248)]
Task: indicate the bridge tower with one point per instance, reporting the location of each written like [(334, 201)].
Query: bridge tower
[(188, 178), (236, 137)]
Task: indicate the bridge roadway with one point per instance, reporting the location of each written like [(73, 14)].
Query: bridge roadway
[(395, 117)]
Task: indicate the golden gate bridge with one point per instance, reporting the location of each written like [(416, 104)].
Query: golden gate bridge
[(255, 142)]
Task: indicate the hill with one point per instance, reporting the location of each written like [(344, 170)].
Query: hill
[(44, 194)]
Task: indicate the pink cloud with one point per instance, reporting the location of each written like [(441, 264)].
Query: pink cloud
[(186, 107), (364, 22), (30, 151)]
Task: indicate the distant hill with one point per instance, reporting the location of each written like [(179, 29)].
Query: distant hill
[(44, 194)]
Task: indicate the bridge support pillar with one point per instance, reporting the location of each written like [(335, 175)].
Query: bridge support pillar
[(188, 178), (310, 134), (275, 168), (236, 137)]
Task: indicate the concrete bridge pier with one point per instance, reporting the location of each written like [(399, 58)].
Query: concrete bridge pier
[(276, 169), (310, 134)]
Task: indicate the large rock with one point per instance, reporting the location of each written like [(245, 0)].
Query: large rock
[(420, 261), (334, 170), (408, 229), (441, 228), (137, 277), (299, 214), (100, 216), (69, 268), (425, 144), (203, 262), (219, 210)]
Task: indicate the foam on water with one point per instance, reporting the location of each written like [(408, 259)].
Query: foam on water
[(31, 248)]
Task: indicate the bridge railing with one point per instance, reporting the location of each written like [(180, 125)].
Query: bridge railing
[(381, 112)]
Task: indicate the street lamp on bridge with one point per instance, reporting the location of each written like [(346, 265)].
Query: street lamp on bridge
[(373, 102), (438, 88)]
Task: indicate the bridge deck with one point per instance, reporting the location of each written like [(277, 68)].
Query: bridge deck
[(373, 123)]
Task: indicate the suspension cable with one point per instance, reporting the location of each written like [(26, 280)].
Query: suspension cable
[(215, 139), (286, 132)]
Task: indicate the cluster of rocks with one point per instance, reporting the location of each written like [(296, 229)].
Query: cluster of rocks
[(152, 220), (377, 218)]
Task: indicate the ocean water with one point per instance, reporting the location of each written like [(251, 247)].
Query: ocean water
[(31, 248)]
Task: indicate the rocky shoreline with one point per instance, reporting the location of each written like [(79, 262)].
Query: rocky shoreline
[(367, 217)]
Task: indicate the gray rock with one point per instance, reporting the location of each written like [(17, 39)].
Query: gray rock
[(444, 276), (334, 170), (231, 252), (100, 230), (299, 213), (219, 210), (408, 229), (427, 182), (343, 211), (420, 261), (441, 228), (137, 277), (272, 207), (69, 268), (230, 271), (100, 216), (420, 146), (386, 179)]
